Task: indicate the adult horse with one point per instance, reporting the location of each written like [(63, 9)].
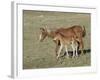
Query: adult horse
[(76, 32)]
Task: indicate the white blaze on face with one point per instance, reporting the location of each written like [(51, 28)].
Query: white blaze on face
[(40, 37)]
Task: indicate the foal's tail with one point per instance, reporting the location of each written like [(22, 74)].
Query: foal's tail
[(84, 31)]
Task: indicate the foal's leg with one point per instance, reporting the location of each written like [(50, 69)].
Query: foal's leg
[(66, 51), (76, 48), (56, 50), (73, 47), (57, 47), (58, 55)]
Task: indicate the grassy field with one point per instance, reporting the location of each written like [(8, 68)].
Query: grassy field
[(41, 54)]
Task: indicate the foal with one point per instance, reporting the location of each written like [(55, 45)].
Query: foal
[(77, 31), (65, 42)]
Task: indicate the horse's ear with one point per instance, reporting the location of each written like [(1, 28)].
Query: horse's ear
[(42, 29)]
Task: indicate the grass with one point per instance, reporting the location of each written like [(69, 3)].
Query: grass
[(41, 54)]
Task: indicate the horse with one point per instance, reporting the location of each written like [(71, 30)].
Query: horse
[(75, 32)]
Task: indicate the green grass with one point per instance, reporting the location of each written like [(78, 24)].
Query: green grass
[(42, 54)]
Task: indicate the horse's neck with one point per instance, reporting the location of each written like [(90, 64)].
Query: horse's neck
[(51, 34)]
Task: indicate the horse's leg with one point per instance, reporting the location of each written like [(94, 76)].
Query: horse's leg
[(76, 49), (73, 47), (57, 47), (56, 50), (66, 51), (58, 55)]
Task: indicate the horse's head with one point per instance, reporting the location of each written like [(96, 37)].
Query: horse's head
[(43, 34)]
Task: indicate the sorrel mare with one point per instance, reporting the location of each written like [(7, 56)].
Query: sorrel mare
[(76, 32)]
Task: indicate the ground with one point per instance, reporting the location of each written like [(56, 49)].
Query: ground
[(38, 54)]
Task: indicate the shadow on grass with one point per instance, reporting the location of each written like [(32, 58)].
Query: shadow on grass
[(79, 52)]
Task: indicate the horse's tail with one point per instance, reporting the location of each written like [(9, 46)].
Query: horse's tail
[(84, 31)]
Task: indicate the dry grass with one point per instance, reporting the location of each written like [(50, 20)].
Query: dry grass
[(42, 55)]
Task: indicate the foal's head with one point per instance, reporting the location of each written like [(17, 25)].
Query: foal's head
[(43, 34)]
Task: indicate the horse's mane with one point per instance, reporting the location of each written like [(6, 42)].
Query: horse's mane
[(60, 33)]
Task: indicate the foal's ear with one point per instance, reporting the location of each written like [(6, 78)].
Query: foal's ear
[(42, 29)]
